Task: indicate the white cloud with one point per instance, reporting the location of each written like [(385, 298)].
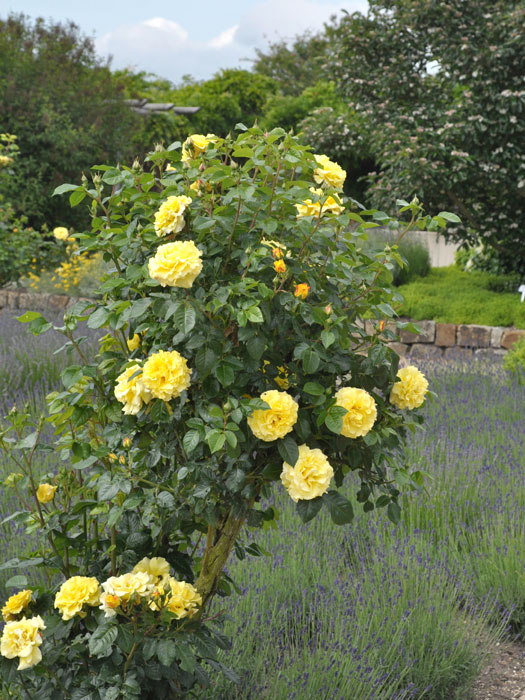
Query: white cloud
[(161, 46)]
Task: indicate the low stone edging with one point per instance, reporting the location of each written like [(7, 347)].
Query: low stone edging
[(435, 340)]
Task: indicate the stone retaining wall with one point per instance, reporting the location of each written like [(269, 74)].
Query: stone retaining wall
[(435, 339)]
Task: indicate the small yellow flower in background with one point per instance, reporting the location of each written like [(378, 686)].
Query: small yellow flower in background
[(176, 264), (12, 478), (198, 185), (301, 290), (126, 443), (75, 593), (112, 457), (166, 375), (310, 477), (410, 391), (5, 161), (316, 208), (169, 218), (22, 638), (195, 145), (278, 420), (15, 604), (122, 459), (361, 411), (282, 379), (45, 493), (61, 233), (157, 568), (131, 392), (170, 169), (133, 343), (277, 253), (183, 599), (280, 266), (329, 173)]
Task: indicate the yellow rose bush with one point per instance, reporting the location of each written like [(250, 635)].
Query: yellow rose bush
[(253, 370)]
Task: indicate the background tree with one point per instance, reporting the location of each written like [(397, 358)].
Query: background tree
[(439, 87), (66, 108)]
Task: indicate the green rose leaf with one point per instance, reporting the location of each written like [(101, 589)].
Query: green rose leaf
[(307, 510), (288, 450), (340, 508), (102, 639)]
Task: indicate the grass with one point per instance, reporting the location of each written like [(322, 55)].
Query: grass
[(449, 295), (372, 611)]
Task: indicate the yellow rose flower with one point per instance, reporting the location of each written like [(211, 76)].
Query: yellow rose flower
[(195, 145), (329, 173), (278, 420), (125, 586), (169, 218), (183, 599), (361, 411), (198, 185), (133, 343), (301, 290), (310, 477), (22, 638), (109, 604), (61, 233), (410, 391), (166, 375), (45, 493), (176, 264), (131, 391), (157, 568), (75, 593), (280, 266), (315, 208), (5, 161), (15, 604)]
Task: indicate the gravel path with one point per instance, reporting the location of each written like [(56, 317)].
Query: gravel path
[(503, 678)]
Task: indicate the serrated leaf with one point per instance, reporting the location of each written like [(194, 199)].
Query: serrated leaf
[(215, 440), (77, 196), (449, 216), (340, 508), (205, 360), (17, 581), (334, 419), (394, 512), (191, 440), (288, 450), (185, 318), (310, 360), (166, 651), (28, 316), (98, 318), (308, 509), (102, 639), (66, 187), (327, 338), (313, 388)]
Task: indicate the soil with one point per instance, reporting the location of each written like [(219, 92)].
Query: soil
[(503, 677)]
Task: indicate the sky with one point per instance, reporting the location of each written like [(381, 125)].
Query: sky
[(177, 38)]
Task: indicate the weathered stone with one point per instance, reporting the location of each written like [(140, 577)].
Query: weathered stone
[(495, 336), (474, 336), (425, 351), (369, 327), (3, 298), (510, 337), (458, 354), (399, 348), (12, 300), (427, 335), (28, 302), (490, 354), (445, 334), (57, 301)]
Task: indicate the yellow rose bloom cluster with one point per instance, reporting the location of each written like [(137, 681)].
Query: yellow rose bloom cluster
[(5, 161), (176, 264), (150, 580), (329, 204), (278, 420), (157, 568), (195, 145), (169, 218), (329, 173), (61, 233), (310, 476), (22, 639), (361, 411), (45, 493), (166, 375), (16, 604), (131, 391), (75, 593), (118, 590), (183, 599), (409, 392)]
